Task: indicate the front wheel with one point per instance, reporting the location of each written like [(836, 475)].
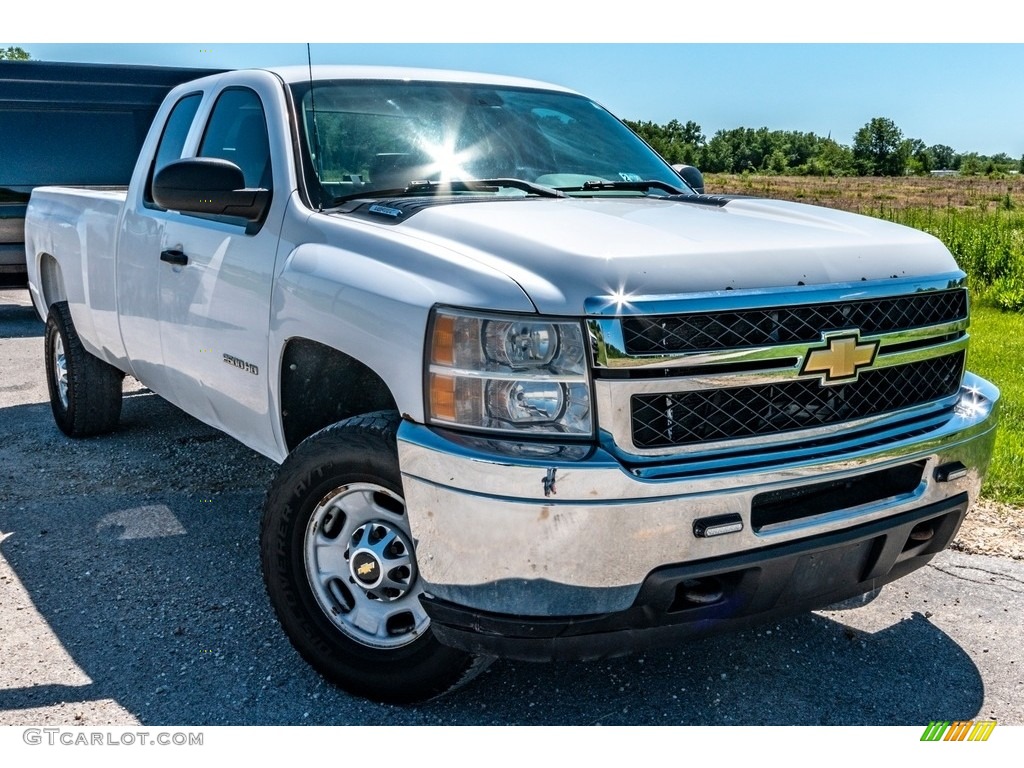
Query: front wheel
[(340, 568)]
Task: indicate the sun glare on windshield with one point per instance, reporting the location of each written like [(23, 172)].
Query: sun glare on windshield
[(446, 163)]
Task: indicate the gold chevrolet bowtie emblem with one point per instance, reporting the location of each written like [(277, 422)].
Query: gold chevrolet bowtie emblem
[(365, 568), (842, 358)]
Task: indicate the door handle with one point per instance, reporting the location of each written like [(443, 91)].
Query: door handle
[(174, 256)]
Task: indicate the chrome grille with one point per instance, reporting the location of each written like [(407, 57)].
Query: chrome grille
[(708, 331), (683, 418)]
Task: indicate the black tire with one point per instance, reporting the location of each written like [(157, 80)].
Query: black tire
[(85, 392), (338, 495)]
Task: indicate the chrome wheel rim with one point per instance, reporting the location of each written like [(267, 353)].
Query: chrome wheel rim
[(361, 567), (60, 370)]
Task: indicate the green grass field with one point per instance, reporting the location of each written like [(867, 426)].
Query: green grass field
[(988, 243), (997, 353)]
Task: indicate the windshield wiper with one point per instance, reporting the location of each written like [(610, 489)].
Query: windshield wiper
[(443, 187), (629, 186), (483, 185)]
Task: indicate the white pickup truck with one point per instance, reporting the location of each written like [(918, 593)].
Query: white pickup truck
[(532, 396)]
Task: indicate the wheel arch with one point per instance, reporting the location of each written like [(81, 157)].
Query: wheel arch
[(51, 284), (321, 385)]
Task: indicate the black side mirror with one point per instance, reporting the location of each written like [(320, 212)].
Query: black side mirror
[(208, 185), (691, 176)]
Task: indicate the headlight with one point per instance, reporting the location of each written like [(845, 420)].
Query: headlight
[(509, 374)]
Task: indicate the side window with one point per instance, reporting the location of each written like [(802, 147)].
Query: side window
[(237, 131), (173, 140)]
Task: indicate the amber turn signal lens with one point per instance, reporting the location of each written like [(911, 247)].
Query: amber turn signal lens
[(442, 397), (442, 348)]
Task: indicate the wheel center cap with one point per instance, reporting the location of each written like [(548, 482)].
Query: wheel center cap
[(366, 568)]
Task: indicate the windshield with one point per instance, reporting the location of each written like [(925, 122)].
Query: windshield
[(382, 136)]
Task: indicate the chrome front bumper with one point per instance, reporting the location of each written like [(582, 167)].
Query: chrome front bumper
[(515, 529)]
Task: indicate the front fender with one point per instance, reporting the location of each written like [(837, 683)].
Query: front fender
[(371, 300)]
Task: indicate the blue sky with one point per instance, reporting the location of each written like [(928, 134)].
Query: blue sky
[(965, 94)]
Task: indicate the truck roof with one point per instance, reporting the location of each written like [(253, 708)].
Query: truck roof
[(299, 74)]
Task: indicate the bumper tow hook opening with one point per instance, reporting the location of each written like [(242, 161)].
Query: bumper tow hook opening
[(921, 533), (701, 591)]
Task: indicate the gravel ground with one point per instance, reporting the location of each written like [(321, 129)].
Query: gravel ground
[(992, 529), (130, 593)]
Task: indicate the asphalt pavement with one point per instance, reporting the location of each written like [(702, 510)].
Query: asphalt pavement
[(130, 593)]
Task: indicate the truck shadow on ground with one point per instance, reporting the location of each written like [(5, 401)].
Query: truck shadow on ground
[(138, 553), (19, 322)]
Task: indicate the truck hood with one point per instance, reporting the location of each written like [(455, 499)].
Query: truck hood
[(562, 252)]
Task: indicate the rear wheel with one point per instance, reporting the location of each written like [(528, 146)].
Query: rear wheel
[(85, 392), (340, 567)]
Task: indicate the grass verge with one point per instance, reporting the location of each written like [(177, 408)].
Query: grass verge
[(997, 353)]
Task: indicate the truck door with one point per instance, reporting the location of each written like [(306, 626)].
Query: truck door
[(213, 280), (216, 278)]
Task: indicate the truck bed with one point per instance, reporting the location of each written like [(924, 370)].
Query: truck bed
[(81, 225)]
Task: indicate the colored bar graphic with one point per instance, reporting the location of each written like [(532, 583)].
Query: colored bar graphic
[(982, 730), (935, 730), (959, 730)]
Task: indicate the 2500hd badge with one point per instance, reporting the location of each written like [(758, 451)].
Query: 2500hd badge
[(241, 364)]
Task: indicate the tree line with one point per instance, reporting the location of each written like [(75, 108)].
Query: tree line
[(879, 148), (14, 53)]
